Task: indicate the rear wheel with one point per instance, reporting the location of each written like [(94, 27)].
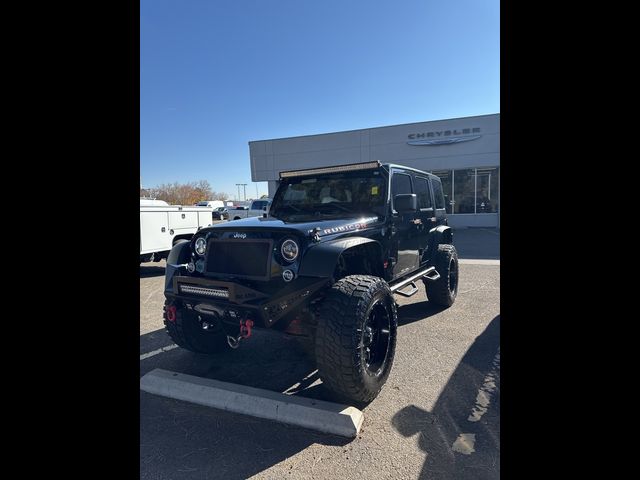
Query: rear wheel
[(356, 337), (443, 291), (185, 327)]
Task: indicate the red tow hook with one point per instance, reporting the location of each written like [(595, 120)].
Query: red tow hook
[(171, 313), (245, 328)]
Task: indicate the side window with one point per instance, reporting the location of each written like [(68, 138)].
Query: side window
[(400, 183), (422, 191), (437, 192)]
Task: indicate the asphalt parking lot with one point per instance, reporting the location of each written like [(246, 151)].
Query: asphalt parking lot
[(436, 417)]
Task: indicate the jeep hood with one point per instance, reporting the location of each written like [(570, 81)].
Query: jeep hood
[(326, 227)]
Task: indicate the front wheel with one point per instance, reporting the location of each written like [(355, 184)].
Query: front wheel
[(356, 337)]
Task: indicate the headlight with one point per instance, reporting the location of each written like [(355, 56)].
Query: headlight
[(201, 246), (289, 250)]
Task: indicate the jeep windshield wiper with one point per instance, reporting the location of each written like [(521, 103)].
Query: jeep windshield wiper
[(335, 205), (283, 209)]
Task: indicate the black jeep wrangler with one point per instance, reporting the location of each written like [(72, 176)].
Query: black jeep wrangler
[(322, 265)]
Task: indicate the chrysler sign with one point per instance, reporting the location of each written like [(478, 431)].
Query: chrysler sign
[(444, 137)]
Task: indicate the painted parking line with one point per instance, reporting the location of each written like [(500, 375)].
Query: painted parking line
[(156, 352), (478, 261)]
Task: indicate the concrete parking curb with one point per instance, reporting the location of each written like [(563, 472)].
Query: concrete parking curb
[(314, 414)]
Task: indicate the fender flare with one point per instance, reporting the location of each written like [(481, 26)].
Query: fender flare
[(442, 234), (179, 255), (321, 259)]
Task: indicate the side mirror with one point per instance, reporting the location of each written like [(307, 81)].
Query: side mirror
[(405, 203)]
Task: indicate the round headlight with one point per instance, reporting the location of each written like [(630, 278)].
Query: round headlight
[(201, 246), (289, 250)]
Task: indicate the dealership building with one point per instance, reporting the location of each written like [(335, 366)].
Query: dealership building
[(463, 152)]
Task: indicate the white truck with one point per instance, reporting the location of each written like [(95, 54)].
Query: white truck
[(211, 203), (255, 210), (163, 225)]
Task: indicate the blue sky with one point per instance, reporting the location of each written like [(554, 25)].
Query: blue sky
[(216, 74)]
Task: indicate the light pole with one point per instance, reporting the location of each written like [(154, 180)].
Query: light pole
[(238, 185)]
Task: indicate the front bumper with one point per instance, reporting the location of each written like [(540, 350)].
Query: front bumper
[(233, 300)]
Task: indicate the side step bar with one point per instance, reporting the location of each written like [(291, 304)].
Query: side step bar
[(410, 293), (428, 273)]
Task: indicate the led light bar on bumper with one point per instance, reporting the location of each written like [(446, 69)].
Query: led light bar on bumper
[(338, 168), (204, 291)]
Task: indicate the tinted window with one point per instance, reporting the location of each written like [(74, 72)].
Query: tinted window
[(437, 192), (422, 191), (400, 183), (335, 194)]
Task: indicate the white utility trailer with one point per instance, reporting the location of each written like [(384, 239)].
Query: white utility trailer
[(161, 226)]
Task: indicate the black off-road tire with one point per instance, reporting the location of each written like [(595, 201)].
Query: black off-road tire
[(187, 332), (339, 345), (443, 291)]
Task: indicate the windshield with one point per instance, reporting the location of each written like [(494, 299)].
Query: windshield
[(331, 195)]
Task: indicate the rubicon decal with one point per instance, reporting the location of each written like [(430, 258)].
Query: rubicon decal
[(347, 228)]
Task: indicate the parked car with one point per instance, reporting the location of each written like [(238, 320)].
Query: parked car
[(162, 226), (221, 213), (210, 203), (324, 266), (256, 209)]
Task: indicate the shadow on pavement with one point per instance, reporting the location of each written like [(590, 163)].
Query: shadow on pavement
[(151, 270), (472, 393), (414, 312), (179, 440)]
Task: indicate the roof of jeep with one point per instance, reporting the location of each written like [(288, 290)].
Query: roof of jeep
[(404, 167), (377, 163)]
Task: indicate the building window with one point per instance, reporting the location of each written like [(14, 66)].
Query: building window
[(464, 185), (473, 190), (445, 179), (487, 190)]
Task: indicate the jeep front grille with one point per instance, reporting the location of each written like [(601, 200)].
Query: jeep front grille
[(204, 291), (241, 258)]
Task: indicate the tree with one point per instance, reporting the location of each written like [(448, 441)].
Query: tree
[(184, 193)]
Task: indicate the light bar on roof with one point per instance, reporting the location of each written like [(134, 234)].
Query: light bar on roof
[(338, 168)]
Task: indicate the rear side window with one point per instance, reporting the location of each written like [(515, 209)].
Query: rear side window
[(422, 191), (400, 183), (437, 192)]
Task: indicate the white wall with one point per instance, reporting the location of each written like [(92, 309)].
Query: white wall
[(387, 144)]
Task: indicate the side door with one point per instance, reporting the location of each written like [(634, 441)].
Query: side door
[(426, 217), (404, 244)]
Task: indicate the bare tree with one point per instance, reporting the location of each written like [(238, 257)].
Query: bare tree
[(184, 193)]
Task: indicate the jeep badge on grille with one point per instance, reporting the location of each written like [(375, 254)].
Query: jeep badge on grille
[(239, 235)]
